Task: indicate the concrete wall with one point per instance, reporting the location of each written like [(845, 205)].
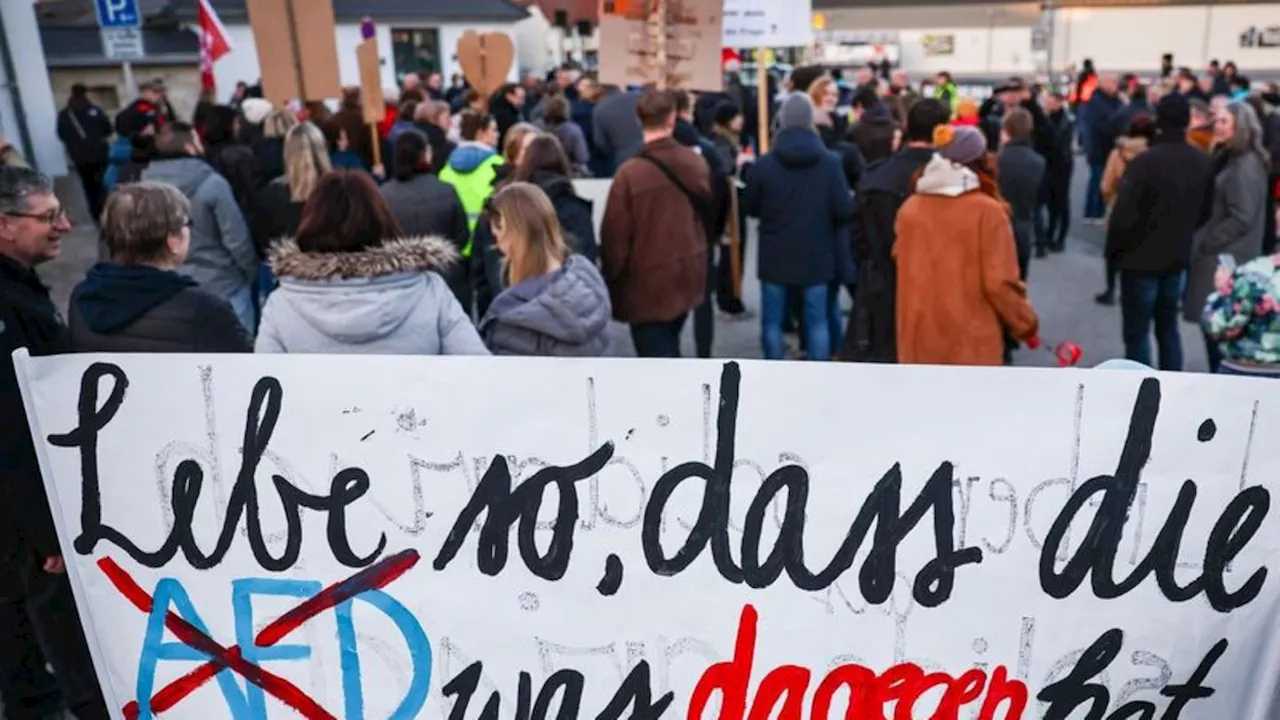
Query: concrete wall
[(1134, 38), (242, 62)]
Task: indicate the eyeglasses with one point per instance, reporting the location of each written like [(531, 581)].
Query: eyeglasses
[(52, 217)]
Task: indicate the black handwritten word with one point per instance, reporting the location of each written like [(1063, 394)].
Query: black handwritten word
[(503, 508), (1074, 691), (633, 699), (1096, 556), (348, 486), (933, 584)]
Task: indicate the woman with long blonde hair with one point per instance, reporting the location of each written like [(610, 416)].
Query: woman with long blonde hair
[(556, 303), (278, 208)]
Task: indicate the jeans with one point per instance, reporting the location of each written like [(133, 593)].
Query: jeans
[(40, 605), (1148, 299), (658, 339), (244, 305), (1093, 206), (821, 326)]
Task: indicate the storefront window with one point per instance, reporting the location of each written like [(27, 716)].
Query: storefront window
[(415, 50)]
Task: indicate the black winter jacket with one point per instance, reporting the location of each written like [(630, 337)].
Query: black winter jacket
[(1158, 207), (872, 332), (141, 309), (275, 215), (28, 319), (86, 132)]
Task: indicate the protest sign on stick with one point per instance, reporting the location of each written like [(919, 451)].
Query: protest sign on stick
[(664, 43), (372, 103), (485, 59), (297, 50), (247, 538)]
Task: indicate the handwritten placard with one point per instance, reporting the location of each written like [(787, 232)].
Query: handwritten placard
[(272, 536)]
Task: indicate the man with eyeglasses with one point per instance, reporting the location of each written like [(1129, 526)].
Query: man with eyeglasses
[(35, 596)]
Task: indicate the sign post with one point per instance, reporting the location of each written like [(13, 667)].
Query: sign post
[(121, 23)]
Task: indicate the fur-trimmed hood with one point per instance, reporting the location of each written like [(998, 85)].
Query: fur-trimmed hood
[(392, 257), (384, 296)]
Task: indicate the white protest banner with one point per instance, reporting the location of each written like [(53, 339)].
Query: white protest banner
[(768, 23), (274, 536)]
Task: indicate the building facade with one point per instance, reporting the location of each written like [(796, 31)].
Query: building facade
[(413, 35)]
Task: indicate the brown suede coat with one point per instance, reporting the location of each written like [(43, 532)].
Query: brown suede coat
[(653, 250), (958, 284)]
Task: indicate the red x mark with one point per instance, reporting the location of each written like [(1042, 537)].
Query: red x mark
[(373, 577)]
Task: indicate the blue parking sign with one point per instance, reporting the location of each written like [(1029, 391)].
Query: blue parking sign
[(118, 13)]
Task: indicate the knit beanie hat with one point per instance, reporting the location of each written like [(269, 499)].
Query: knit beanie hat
[(796, 112), (960, 144), (1173, 112), (255, 110)]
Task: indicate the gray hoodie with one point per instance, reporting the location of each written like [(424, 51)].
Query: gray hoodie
[(384, 300), (222, 258), (565, 314)]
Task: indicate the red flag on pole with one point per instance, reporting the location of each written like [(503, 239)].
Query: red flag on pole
[(214, 43)]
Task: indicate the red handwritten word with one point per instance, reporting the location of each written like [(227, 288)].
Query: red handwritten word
[(868, 694)]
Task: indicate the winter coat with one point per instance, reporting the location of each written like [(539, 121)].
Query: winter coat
[(799, 193), (138, 114), (574, 143), (1062, 130), (851, 160), (1021, 171), (958, 284), (872, 325), (28, 319), (134, 308), (688, 136), (562, 314), (1201, 138), (346, 160), (873, 133), (1127, 149), (399, 128), (441, 146), (471, 171), (1236, 221), (275, 214), (383, 300), (125, 164), (86, 132), (1157, 207), (653, 244), (223, 257), (616, 129), (270, 154), (506, 115), (426, 207), (236, 163), (1102, 110)]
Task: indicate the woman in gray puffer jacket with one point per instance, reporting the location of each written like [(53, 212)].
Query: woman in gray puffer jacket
[(557, 303), (349, 284)]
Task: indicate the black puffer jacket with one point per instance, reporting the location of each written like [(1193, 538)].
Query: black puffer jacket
[(120, 308)]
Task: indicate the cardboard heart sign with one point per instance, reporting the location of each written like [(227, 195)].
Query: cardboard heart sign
[(485, 59)]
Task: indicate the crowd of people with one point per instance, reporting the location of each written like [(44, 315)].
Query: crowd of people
[(256, 228)]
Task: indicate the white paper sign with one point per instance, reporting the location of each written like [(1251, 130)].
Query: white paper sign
[(768, 23), (123, 43), (274, 536)]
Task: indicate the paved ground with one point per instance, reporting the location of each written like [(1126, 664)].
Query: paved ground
[(1062, 289)]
